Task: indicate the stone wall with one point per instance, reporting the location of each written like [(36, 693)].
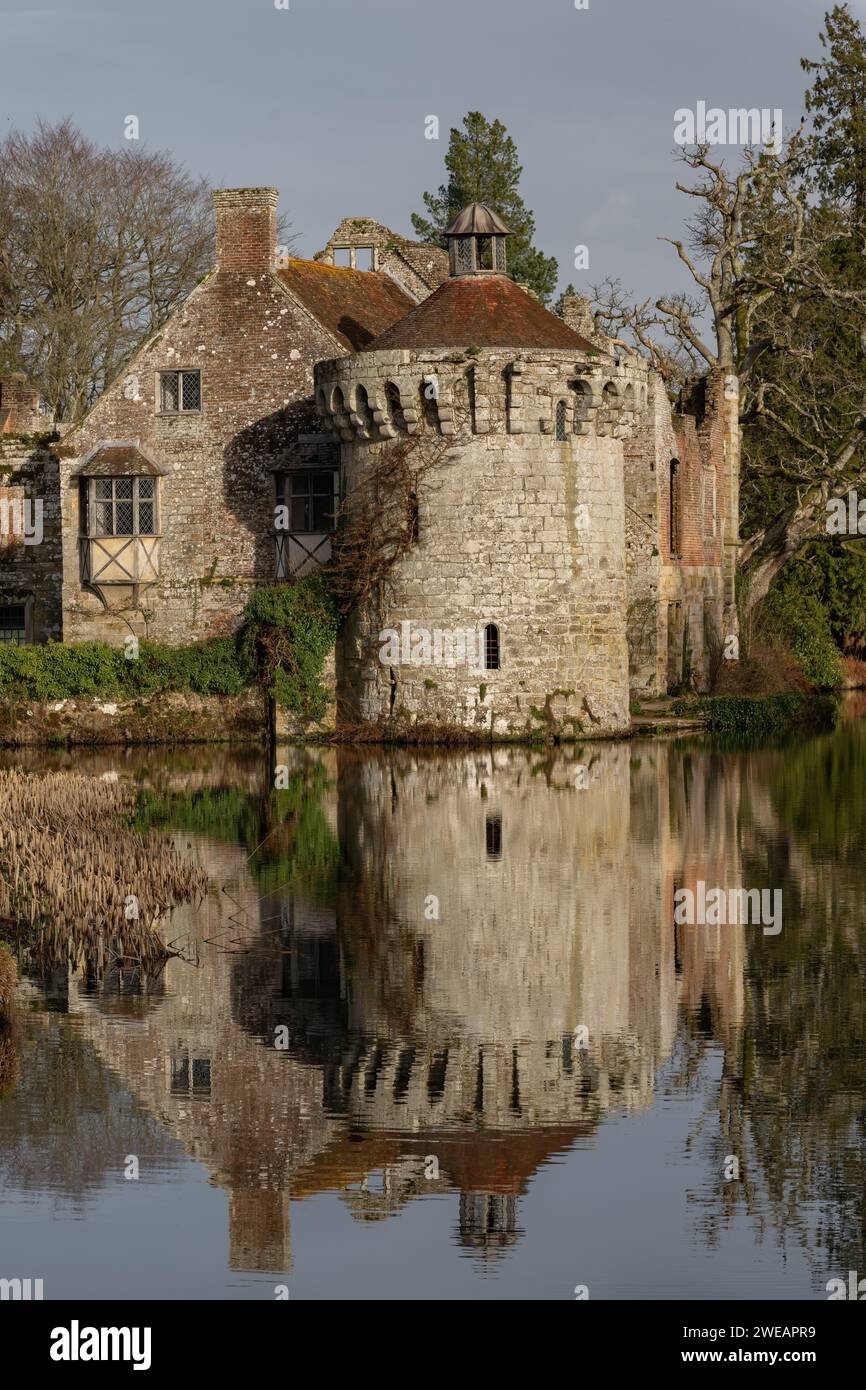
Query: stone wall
[(417, 267), (515, 528), (677, 571), (255, 345), (158, 719), (30, 568)]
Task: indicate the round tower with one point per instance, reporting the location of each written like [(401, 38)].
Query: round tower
[(483, 523)]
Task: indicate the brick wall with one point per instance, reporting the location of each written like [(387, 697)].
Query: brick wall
[(255, 346)]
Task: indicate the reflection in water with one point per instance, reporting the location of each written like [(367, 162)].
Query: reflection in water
[(419, 974)]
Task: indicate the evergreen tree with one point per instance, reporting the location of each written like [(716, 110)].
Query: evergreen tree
[(836, 103), (482, 167), (825, 361)]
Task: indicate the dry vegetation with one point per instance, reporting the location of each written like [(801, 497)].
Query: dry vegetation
[(71, 865)]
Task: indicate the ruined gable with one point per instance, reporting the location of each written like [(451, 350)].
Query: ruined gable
[(361, 243)]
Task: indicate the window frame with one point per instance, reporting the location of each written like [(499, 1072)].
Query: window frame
[(93, 533), (26, 628), (180, 373), (492, 645), (287, 499)]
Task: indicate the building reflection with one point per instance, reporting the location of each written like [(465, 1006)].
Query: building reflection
[(491, 971)]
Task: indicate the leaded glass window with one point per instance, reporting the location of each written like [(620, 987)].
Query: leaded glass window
[(179, 392), (123, 506)]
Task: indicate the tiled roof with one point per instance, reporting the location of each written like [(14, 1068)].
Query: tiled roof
[(480, 311), (119, 458), (354, 305)]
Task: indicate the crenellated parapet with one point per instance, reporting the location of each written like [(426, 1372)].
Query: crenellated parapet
[(377, 396)]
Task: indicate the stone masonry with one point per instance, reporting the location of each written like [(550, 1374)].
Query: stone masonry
[(582, 527)]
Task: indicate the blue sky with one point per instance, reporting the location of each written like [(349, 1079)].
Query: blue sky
[(327, 100)]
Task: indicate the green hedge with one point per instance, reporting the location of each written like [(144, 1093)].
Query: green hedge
[(60, 672), (287, 633)]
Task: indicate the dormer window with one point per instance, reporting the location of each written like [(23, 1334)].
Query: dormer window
[(179, 392)]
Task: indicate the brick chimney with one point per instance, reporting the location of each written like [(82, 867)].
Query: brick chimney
[(246, 229)]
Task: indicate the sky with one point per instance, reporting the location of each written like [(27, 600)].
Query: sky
[(328, 100)]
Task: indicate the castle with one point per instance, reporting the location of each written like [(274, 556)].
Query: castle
[(550, 500)]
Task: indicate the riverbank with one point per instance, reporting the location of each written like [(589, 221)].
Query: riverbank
[(177, 719)]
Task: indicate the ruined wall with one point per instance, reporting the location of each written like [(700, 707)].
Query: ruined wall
[(515, 528), (642, 542), (21, 410), (692, 586), (676, 576), (255, 346), (30, 573), (416, 266)]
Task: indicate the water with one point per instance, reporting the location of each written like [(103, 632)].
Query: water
[(434, 1033)]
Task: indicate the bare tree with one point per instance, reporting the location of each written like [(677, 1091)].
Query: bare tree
[(97, 247), (759, 251)]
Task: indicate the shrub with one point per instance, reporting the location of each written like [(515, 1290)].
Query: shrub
[(796, 619), (288, 632), (94, 669)]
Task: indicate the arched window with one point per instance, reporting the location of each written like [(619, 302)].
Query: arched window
[(561, 420), (412, 514), (674, 508), (491, 647)]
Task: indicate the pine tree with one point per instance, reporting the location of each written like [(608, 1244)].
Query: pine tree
[(482, 167), (836, 103)]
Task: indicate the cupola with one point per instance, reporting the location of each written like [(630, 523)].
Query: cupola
[(476, 242)]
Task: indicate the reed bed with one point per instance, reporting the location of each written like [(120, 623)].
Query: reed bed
[(75, 876), (8, 977)]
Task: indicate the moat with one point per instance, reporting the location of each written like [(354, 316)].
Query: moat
[(433, 1032)]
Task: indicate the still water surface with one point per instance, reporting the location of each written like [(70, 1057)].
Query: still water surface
[(434, 1033)]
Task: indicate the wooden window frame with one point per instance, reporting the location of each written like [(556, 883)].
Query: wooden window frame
[(91, 531)]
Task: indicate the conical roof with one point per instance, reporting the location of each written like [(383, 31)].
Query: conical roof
[(480, 311), (477, 220)]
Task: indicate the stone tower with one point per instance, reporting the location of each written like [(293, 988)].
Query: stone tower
[(482, 447)]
